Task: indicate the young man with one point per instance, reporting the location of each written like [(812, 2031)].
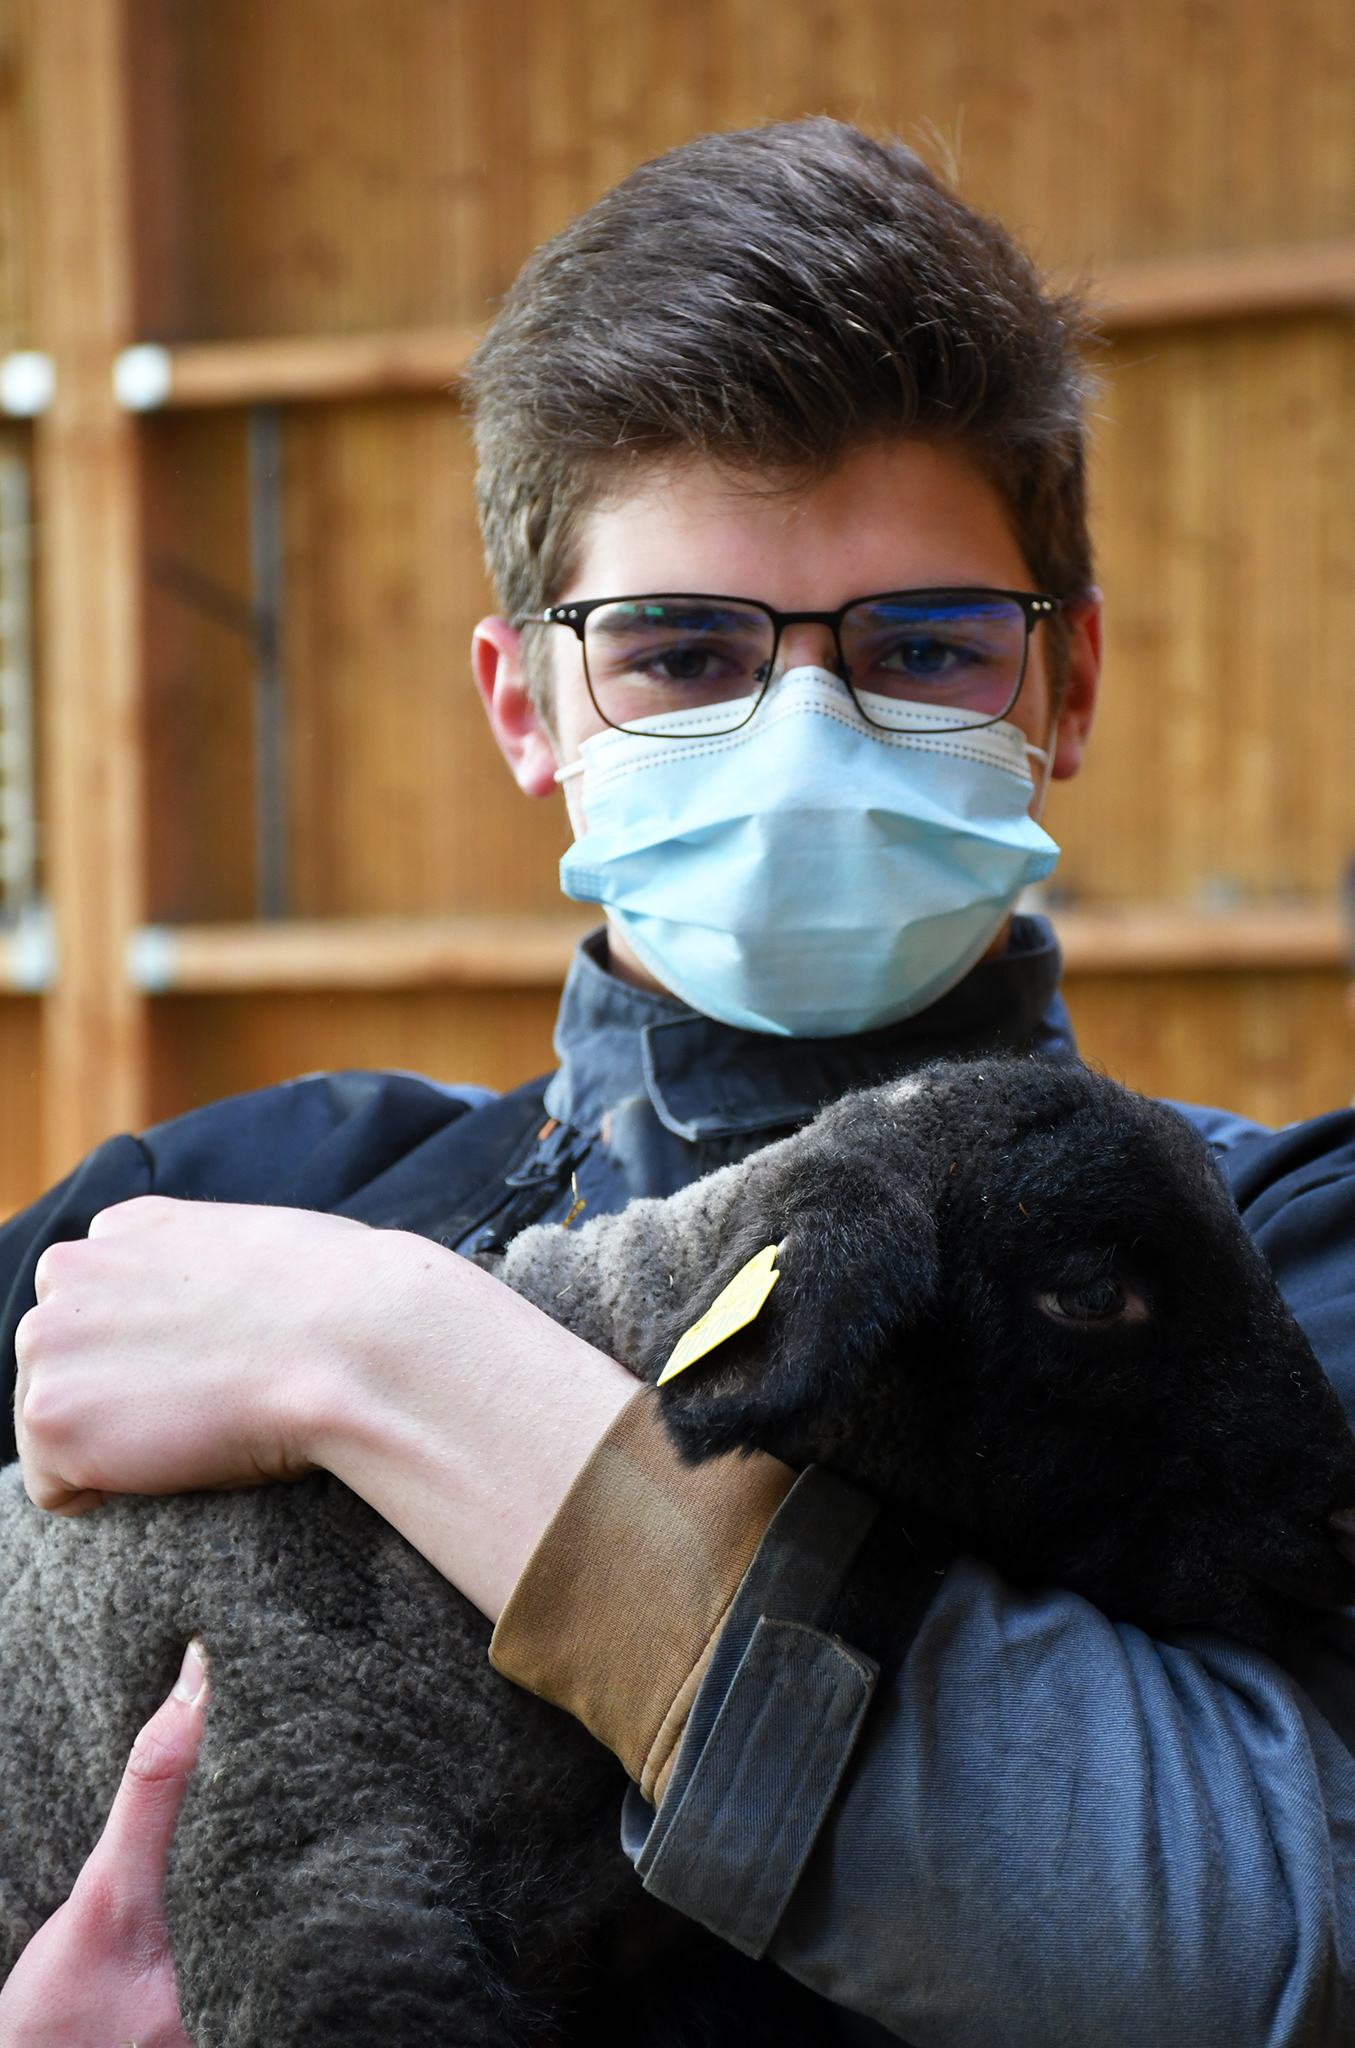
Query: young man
[(783, 490)]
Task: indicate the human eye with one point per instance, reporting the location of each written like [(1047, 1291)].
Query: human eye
[(673, 649), (927, 656), (688, 661), (963, 652)]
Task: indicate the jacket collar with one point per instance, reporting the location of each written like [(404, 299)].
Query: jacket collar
[(710, 1080)]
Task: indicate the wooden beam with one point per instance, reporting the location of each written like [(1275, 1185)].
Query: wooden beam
[(534, 951), (1164, 292), (296, 367), (359, 953), (93, 1026), (1149, 938), (1300, 277)]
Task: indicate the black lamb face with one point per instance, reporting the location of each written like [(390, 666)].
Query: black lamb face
[(1019, 1299)]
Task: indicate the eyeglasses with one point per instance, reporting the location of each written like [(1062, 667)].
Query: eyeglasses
[(914, 660)]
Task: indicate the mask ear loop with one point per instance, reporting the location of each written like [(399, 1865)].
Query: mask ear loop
[(574, 768), (1045, 757)]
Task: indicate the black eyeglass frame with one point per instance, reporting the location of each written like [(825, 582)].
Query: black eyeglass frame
[(1035, 606)]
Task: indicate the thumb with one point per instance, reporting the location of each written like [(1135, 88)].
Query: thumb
[(126, 1868)]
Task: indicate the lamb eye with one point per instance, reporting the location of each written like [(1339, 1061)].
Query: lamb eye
[(1102, 1301)]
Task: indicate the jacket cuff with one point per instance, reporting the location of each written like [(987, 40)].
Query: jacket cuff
[(771, 1732), (616, 1615), (826, 1612)]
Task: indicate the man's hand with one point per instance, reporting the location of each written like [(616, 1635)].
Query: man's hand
[(99, 1972), (176, 1346), (204, 1344)]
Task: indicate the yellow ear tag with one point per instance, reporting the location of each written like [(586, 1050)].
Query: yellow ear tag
[(733, 1308)]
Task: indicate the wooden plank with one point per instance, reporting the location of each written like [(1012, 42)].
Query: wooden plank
[(400, 800), (1272, 1047), (359, 953), (16, 179), (93, 1026), (1276, 1047), (1134, 939), (346, 162), (20, 1099), (321, 366), (1224, 756), (526, 951), (208, 1046), (1176, 291), (199, 668)]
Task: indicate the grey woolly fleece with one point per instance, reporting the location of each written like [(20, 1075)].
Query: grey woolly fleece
[(376, 1816)]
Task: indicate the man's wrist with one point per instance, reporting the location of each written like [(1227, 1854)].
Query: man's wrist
[(468, 1420)]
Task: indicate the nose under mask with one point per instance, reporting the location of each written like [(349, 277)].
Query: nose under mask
[(811, 874)]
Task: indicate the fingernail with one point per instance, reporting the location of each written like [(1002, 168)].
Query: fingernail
[(191, 1682)]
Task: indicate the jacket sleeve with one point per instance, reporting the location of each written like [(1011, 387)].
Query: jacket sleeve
[(1046, 1829)]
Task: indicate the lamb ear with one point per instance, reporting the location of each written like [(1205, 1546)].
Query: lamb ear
[(858, 1270)]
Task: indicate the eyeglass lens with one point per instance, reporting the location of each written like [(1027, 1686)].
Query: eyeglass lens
[(653, 659)]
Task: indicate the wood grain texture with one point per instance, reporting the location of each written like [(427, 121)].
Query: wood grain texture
[(400, 800), (209, 1046), (318, 366), (1272, 1047), (336, 168), (359, 164), (1299, 277), (18, 196), (21, 1165), (89, 485), (1224, 762), (199, 746), (403, 953)]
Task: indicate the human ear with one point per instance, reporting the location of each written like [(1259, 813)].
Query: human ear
[(523, 737), (1082, 679)]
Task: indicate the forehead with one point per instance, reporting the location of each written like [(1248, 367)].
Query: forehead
[(892, 515)]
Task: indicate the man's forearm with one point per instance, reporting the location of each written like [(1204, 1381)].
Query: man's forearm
[(459, 1411), (468, 1427)]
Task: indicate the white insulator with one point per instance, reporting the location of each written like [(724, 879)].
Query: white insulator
[(152, 958), (142, 376), (28, 953), (27, 383)]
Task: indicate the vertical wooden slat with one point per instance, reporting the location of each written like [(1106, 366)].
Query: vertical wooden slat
[(16, 191), (93, 1023)]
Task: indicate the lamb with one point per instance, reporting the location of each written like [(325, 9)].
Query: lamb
[(1014, 1299)]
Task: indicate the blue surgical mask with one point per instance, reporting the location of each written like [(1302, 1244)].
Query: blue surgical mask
[(810, 874)]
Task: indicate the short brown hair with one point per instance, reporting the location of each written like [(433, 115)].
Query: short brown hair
[(768, 298)]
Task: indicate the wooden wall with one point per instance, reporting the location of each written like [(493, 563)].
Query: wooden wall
[(338, 166)]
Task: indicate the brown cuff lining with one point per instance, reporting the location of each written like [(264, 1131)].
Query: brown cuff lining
[(614, 1617)]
